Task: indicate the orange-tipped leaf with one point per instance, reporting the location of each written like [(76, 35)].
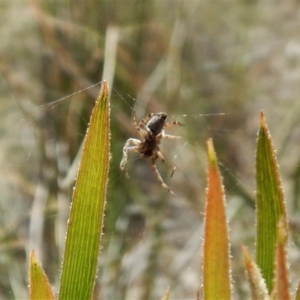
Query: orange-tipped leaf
[(216, 268), (282, 285)]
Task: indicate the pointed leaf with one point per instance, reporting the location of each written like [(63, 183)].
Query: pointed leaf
[(297, 296), (87, 209), (166, 295), (258, 287), (270, 206), (39, 284), (282, 286), (216, 269)]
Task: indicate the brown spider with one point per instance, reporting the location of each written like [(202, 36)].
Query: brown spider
[(151, 129)]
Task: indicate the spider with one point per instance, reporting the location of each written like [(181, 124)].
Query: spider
[(151, 130)]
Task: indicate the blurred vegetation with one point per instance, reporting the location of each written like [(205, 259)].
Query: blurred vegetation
[(187, 58)]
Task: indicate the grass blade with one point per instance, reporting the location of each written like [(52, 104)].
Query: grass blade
[(270, 205), (166, 296), (87, 210), (216, 269), (297, 295), (39, 284), (258, 287), (282, 286)]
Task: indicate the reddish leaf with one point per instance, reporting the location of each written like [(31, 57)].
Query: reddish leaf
[(216, 269)]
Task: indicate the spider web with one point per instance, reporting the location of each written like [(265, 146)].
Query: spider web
[(189, 119), (187, 154)]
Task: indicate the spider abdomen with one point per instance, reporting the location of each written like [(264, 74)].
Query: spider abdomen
[(157, 123)]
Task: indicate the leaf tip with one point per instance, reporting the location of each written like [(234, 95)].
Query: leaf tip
[(212, 157), (257, 283), (263, 121), (105, 87), (33, 257), (247, 257), (104, 92)]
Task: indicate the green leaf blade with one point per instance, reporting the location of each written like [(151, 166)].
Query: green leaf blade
[(39, 284), (87, 211), (270, 205)]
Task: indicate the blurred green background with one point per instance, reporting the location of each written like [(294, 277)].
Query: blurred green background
[(212, 65)]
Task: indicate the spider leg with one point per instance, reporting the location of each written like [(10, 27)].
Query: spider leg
[(159, 155), (132, 145), (144, 130), (173, 124), (145, 120), (141, 128), (134, 122), (170, 136), (158, 139), (154, 168)]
